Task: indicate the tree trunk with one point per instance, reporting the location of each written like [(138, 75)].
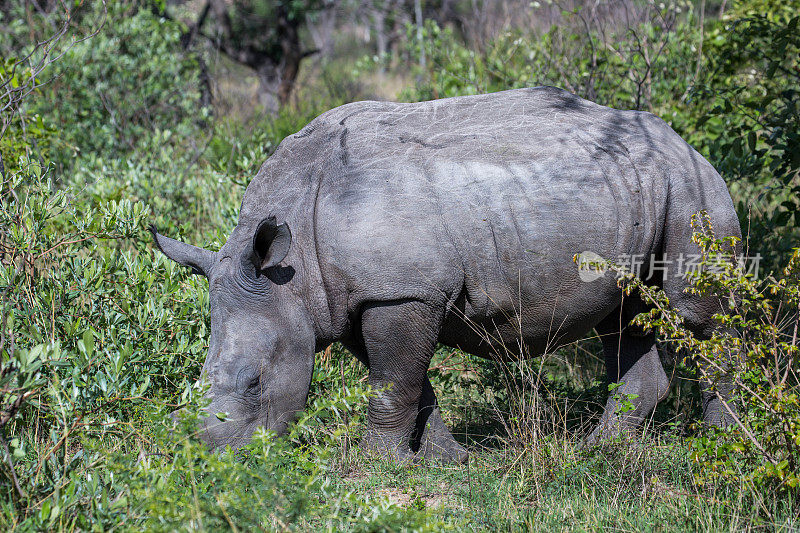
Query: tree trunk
[(276, 70), (419, 22), (292, 55)]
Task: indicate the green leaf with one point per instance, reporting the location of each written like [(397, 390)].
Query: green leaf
[(88, 342), (35, 353), (736, 148), (773, 66), (782, 218), (751, 140)]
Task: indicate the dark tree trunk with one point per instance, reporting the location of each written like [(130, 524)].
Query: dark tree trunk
[(292, 54), (186, 40), (277, 67)]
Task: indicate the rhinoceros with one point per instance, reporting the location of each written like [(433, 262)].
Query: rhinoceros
[(391, 227)]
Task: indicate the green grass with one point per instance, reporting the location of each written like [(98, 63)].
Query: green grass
[(528, 470), (553, 485)]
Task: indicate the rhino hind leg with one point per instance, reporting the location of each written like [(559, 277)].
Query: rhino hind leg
[(432, 439), (399, 339), (632, 362), (698, 310), (716, 386)]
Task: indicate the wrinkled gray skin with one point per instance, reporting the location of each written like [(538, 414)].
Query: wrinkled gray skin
[(391, 227)]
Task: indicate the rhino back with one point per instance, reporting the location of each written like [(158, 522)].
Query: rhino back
[(478, 203)]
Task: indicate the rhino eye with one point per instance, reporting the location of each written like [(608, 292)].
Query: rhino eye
[(253, 389), (249, 381)]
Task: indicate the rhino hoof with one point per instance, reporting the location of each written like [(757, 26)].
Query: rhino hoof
[(445, 450), (384, 447)]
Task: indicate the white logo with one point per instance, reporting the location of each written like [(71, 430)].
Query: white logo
[(591, 266)]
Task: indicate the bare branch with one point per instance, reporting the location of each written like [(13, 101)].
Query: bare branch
[(12, 98), (11, 466)]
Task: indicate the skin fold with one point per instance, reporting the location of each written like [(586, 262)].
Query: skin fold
[(393, 227)]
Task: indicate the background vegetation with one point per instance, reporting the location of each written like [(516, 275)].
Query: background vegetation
[(115, 115)]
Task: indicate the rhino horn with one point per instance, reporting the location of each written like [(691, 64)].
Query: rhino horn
[(200, 260)]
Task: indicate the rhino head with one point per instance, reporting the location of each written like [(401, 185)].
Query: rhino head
[(261, 351)]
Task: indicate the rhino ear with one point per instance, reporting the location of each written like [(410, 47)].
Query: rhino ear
[(198, 259), (271, 243)]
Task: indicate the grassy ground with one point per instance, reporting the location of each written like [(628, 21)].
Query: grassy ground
[(528, 469)]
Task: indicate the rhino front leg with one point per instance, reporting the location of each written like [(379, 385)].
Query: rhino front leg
[(399, 338), (432, 439)]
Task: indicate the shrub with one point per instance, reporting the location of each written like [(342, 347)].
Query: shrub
[(755, 349), (636, 65), (748, 118), (129, 90)]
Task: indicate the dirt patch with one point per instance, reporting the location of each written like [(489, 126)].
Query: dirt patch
[(354, 477), (396, 497), (404, 499)]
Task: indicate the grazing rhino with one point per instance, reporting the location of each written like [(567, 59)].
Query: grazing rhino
[(392, 227)]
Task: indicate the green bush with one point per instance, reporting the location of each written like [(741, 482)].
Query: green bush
[(755, 349), (748, 118), (129, 91), (66, 373), (636, 66)]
